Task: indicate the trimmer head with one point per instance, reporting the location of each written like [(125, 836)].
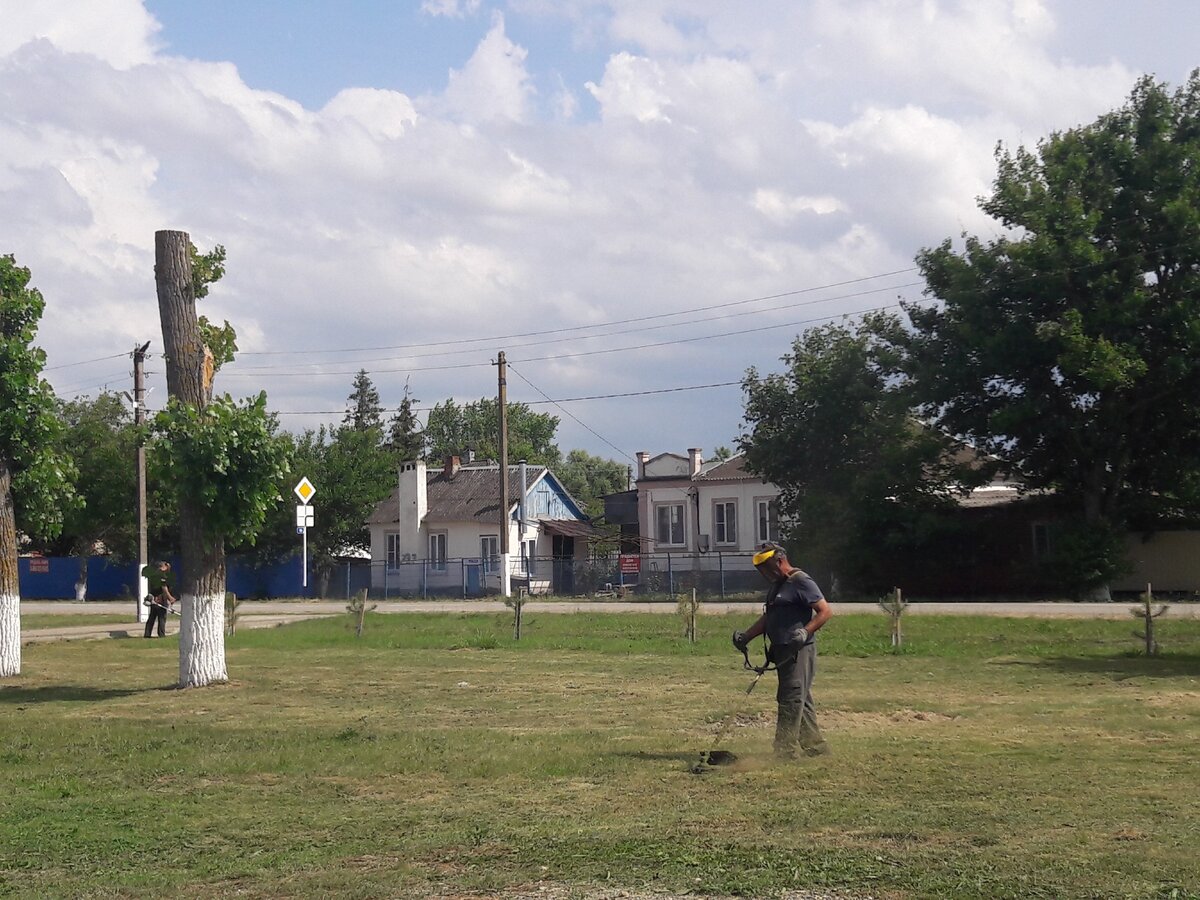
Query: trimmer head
[(710, 758)]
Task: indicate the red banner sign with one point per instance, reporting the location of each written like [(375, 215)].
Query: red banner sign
[(631, 564), (39, 565)]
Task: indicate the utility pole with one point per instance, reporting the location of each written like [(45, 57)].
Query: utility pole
[(139, 418), (502, 402)]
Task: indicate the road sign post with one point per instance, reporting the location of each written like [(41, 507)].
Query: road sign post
[(304, 520)]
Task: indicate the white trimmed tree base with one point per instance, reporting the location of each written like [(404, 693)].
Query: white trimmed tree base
[(10, 635), (202, 641)]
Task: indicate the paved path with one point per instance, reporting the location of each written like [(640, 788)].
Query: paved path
[(269, 613)]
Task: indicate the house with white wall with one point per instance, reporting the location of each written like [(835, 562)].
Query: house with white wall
[(439, 531), (687, 506)]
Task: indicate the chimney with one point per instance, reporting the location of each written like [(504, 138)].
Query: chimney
[(413, 504), (453, 464), (694, 461), (642, 457), (470, 455)]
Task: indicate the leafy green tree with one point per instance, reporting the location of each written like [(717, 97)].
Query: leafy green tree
[(225, 459), (405, 439), (722, 453), (353, 473), (1070, 347), (98, 436), (221, 340), (36, 480), (862, 482), (588, 478), (452, 429), (364, 411), (222, 458)]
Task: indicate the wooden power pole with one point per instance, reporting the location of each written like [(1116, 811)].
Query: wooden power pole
[(139, 418), (502, 402)]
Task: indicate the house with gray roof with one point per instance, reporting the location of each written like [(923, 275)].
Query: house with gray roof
[(686, 505), (439, 531)]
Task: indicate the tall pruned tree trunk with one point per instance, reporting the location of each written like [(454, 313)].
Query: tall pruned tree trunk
[(10, 589), (189, 380)]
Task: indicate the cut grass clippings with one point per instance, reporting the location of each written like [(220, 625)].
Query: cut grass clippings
[(435, 756)]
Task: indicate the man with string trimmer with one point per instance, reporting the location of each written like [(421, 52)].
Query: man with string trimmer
[(158, 580), (795, 610)]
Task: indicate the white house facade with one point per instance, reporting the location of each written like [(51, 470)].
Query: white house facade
[(709, 511), (439, 531)]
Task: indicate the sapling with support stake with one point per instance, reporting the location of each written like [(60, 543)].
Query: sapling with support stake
[(894, 605), (516, 603), (1148, 614), (232, 602), (688, 608), (358, 608)]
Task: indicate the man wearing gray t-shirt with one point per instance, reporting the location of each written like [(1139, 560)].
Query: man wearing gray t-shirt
[(795, 610)]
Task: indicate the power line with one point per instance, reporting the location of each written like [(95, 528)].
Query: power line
[(84, 362), (426, 409), (268, 369), (564, 330), (570, 415), (674, 390), (688, 340), (709, 337)]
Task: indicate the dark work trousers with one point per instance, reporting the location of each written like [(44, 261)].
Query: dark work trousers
[(796, 730), (159, 613)]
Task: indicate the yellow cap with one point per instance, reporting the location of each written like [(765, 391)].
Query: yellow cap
[(760, 558)]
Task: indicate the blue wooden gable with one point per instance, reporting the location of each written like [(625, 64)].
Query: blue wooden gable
[(547, 499)]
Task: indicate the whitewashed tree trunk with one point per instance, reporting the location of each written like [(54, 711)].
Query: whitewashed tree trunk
[(189, 379), (202, 640), (10, 587)]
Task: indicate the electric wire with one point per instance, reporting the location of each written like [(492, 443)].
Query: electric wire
[(564, 330), (245, 370), (466, 365), (84, 362), (623, 394), (567, 413)]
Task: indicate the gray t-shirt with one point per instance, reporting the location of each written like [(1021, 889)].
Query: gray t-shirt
[(790, 607)]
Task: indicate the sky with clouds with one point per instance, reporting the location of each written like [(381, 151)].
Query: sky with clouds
[(634, 199)]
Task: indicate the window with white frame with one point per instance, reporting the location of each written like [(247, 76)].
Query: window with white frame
[(668, 528), (766, 520), (529, 557), (725, 522), (393, 551), (489, 551), (437, 550)]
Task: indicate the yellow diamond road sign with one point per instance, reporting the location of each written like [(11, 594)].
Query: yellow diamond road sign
[(304, 490)]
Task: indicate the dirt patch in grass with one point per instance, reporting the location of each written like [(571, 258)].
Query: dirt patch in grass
[(1172, 699), (761, 719), (843, 719)]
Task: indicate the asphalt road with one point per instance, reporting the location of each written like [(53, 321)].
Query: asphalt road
[(269, 613)]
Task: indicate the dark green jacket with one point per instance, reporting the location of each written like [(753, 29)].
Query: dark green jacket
[(157, 579)]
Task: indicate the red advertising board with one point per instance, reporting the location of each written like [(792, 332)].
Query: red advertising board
[(631, 564), (39, 565)]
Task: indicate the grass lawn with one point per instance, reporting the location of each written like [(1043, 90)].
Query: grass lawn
[(436, 757)]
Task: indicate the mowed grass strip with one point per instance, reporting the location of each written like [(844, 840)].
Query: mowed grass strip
[(436, 755), (30, 621)]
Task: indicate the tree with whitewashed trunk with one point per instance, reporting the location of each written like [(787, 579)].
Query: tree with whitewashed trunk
[(223, 457), (36, 481)]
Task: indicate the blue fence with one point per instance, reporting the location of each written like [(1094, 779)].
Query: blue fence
[(55, 577)]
